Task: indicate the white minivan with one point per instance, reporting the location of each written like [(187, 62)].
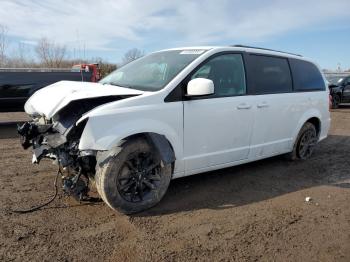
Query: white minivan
[(175, 113)]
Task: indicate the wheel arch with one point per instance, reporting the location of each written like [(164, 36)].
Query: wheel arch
[(316, 122), (160, 142), (313, 117)]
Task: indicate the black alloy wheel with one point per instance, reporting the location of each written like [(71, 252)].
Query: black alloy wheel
[(132, 177), (307, 143), (138, 176)]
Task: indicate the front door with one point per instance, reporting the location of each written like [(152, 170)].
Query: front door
[(217, 128)]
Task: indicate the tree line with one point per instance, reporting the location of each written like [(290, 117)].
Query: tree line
[(49, 54)]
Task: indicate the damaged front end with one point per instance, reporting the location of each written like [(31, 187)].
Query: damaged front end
[(58, 139)]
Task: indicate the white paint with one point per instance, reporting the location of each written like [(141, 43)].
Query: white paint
[(49, 100), (200, 87), (216, 131)]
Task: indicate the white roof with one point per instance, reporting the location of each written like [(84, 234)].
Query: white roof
[(241, 48)]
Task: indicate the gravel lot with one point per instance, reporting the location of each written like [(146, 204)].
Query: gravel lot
[(253, 212)]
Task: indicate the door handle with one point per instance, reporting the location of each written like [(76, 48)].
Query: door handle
[(244, 106), (263, 104)]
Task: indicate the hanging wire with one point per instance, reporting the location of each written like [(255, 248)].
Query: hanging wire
[(44, 204)]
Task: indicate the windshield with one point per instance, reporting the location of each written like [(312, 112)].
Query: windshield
[(334, 79), (152, 72)]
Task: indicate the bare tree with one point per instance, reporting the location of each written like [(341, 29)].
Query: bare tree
[(3, 44), (50, 53), (132, 55), (20, 57), (22, 52)]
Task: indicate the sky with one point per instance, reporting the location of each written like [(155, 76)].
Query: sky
[(317, 29)]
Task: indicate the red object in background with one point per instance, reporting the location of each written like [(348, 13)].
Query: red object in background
[(94, 68)]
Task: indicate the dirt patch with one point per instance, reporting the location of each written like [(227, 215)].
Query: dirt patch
[(13, 117), (251, 212)]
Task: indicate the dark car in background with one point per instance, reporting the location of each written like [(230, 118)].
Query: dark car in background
[(340, 91), (18, 84)]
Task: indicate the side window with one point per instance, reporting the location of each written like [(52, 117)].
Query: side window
[(306, 76), (269, 75), (227, 73)]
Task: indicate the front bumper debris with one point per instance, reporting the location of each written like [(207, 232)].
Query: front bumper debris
[(46, 142)]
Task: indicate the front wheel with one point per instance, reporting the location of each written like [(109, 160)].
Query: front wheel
[(132, 177)]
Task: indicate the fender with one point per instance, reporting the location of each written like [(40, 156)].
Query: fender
[(159, 143), (164, 128), (103, 137)]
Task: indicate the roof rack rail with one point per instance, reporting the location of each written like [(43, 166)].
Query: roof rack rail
[(246, 46)]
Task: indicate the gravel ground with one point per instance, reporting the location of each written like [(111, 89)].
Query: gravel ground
[(13, 116), (253, 212)]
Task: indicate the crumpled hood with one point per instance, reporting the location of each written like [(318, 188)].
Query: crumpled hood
[(49, 100)]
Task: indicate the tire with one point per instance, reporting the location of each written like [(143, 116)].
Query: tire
[(335, 101), (132, 178), (304, 144)]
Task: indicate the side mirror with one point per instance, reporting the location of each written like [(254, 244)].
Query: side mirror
[(200, 87)]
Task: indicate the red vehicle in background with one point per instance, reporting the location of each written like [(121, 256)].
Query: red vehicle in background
[(18, 84), (93, 68)]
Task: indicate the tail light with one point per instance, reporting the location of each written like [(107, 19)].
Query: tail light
[(330, 101)]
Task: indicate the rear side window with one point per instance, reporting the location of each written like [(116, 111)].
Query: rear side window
[(306, 76), (269, 75)]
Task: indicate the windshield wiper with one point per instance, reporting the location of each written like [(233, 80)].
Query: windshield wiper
[(113, 84)]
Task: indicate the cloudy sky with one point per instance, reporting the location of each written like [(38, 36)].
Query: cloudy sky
[(318, 29)]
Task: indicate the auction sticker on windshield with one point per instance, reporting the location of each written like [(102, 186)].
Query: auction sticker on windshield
[(192, 52)]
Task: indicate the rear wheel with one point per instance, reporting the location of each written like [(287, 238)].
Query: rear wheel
[(132, 177), (305, 143)]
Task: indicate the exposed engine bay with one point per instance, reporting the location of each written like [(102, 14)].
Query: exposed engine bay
[(58, 139)]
